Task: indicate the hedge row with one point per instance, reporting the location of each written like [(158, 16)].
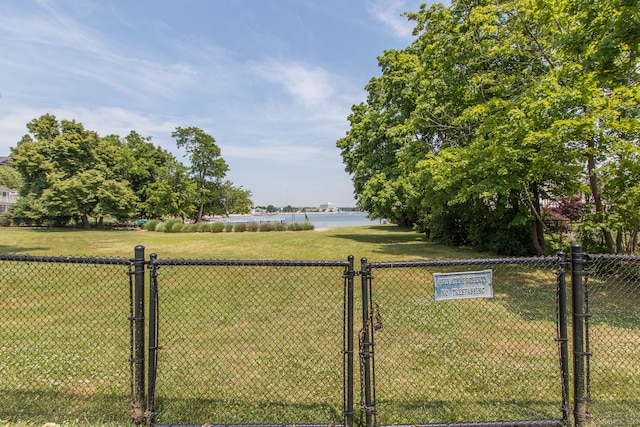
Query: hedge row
[(177, 226)]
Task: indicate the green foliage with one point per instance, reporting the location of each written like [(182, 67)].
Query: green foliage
[(278, 226), (228, 227), (67, 173), (266, 226), (504, 107), (151, 224), (300, 226), (217, 227), (189, 228), (5, 220), (10, 177), (253, 226), (169, 225), (204, 228), (65, 176), (145, 166), (240, 227), (207, 168)]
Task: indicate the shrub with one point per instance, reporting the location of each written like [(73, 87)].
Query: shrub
[(228, 227), (278, 226), (5, 220), (176, 227), (190, 228), (217, 227), (151, 225), (253, 226), (204, 228), (240, 227), (300, 226), (168, 225), (266, 226), (160, 227)]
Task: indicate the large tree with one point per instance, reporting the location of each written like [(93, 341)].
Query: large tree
[(207, 168), (495, 109), (142, 164), (64, 175)]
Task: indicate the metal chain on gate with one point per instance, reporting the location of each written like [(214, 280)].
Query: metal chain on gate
[(377, 325)]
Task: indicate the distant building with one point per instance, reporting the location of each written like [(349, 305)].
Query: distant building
[(4, 161), (7, 198), (329, 207)]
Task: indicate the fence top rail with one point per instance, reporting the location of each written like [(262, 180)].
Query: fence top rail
[(64, 259), (610, 257), (471, 261), (252, 263)]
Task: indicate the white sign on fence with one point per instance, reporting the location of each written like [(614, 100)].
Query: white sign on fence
[(470, 284)]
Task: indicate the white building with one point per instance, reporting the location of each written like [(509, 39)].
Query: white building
[(7, 198), (329, 207)]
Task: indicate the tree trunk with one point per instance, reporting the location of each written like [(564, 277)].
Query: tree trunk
[(200, 213), (537, 227), (538, 219), (534, 238), (595, 192), (85, 222)]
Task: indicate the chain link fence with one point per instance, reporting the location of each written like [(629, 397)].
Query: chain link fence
[(468, 359), (64, 339), (250, 342), (315, 342), (612, 339)]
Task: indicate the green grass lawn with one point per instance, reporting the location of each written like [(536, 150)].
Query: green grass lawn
[(264, 344), (384, 242)]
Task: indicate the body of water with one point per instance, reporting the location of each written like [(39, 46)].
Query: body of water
[(319, 220), (330, 220)]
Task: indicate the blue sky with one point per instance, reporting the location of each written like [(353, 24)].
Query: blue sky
[(273, 81)]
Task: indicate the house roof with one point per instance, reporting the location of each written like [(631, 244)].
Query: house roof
[(4, 160)]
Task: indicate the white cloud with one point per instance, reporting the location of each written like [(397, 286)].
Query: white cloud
[(389, 13), (104, 120), (115, 71), (308, 86)]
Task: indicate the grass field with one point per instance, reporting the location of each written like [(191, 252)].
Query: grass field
[(264, 344), (374, 242)]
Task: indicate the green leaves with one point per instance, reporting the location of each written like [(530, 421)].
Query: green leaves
[(70, 173), (503, 106)]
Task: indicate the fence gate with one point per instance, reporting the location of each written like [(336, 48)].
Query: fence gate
[(454, 343), (474, 343), (483, 345), (249, 342)]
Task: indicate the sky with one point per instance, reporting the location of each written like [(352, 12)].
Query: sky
[(273, 81)]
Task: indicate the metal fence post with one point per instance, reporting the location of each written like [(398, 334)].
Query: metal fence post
[(563, 336), (348, 343), (138, 404), (366, 349), (153, 338), (580, 413)]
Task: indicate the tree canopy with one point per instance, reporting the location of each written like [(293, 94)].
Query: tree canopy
[(9, 177), (495, 112), (68, 173)]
